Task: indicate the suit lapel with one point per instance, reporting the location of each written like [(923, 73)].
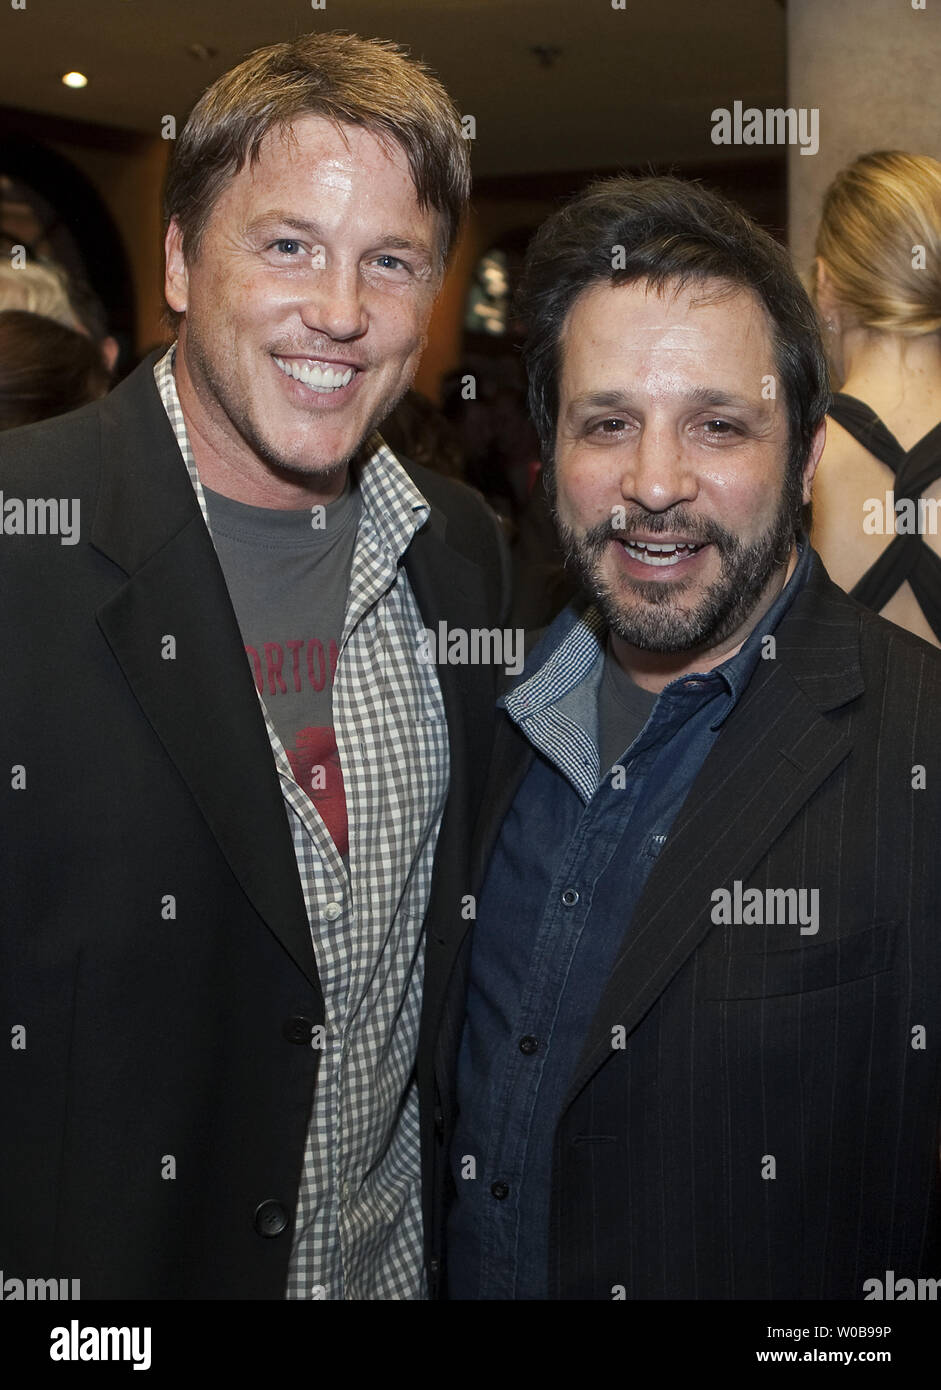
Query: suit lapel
[(447, 588), (201, 702), (774, 751), (512, 758), (444, 584)]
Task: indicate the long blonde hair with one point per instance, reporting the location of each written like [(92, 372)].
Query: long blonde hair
[(880, 240)]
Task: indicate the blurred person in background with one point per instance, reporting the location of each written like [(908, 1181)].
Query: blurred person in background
[(495, 433), (93, 320), (44, 287), (39, 287), (45, 368), (878, 290)]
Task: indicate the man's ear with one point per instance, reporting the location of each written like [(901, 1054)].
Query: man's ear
[(176, 277), (810, 467)]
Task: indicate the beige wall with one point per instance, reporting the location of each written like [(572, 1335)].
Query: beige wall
[(871, 67)]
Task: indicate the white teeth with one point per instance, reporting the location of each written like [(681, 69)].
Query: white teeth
[(318, 376), (651, 553)]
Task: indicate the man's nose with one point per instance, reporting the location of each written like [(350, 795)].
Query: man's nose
[(657, 473), (333, 301)]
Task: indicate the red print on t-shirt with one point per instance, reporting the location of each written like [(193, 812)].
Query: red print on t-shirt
[(315, 763)]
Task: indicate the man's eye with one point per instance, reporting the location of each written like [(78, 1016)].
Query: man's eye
[(390, 263), (720, 427), (613, 425), (287, 246)]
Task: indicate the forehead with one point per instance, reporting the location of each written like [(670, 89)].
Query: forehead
[(315, 158), (709, 331)]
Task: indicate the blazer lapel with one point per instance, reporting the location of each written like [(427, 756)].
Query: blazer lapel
[(512, 758), (174, 633), (774, 751), (444, 584), (447, 588)]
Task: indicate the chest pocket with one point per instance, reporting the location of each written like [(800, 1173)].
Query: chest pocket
[(809, 966)]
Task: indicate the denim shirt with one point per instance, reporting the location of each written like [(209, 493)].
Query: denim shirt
[(567, 872)]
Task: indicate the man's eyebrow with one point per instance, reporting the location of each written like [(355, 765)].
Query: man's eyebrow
[(401, 243), (698, 395), (276, 218), (711, 395), (603, 400), (287, 220)]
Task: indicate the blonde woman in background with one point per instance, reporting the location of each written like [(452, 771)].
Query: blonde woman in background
[(878, 290), (38, 288)]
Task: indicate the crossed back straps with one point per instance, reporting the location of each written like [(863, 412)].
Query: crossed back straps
[(907, 557)]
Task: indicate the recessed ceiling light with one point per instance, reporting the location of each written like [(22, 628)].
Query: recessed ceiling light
[(75, 79)]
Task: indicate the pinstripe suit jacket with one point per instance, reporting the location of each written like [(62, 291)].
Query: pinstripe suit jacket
[(755, 1112)]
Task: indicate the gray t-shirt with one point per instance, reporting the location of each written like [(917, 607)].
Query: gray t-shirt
[(288, 575), (623, 710)]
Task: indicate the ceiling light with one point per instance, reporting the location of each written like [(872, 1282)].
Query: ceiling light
[(75, 79)]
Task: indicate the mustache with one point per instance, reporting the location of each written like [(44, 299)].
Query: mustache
[(673, 522)]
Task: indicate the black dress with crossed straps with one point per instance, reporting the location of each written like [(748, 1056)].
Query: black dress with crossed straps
[(907, 557)]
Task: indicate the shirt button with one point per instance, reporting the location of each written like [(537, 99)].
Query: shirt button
[(529, 1044), (570, 897), (500, 1190), (332, 911)]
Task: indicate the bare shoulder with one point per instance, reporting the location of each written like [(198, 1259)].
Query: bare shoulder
[(847, 476)]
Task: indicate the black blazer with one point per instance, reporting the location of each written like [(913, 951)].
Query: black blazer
[(154, 942), (750, 1050)]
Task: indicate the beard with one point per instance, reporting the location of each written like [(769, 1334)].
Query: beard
[(650, 614)]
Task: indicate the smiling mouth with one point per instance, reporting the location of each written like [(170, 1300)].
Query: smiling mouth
[(659, 555), (321, 377)]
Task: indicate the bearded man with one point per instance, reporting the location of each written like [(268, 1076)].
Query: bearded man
[(700, 1057)]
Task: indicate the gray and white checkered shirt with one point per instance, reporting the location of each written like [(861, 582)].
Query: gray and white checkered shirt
[(358, 1229)]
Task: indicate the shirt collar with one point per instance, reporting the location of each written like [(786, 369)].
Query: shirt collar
[(394, 505), (571, 652)]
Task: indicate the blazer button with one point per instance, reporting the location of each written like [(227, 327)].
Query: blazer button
[(500, 1190), (298, 1029), (270, 1218)]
